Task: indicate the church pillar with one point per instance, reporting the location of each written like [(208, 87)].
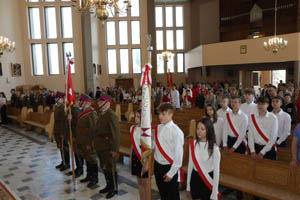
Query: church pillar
[(151, 31), (87, 52), (297, 73)]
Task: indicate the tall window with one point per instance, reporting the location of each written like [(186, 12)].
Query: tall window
[(169, 22), (123, 41), (57, 37)]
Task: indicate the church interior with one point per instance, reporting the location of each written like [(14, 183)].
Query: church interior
[(136, 56)]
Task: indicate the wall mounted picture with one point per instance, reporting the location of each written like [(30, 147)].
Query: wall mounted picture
[(99, 69), (1, 74), (16, 70)]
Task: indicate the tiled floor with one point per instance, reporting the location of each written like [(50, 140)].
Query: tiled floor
[(27, 166)]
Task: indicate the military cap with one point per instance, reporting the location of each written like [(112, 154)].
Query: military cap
[(104, 97)]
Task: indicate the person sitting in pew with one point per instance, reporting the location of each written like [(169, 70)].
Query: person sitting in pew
[(290, 107), (234, 129), (263, 131), (284, 122), (211, 113), (295, 148), (137, 168), (204, 163), (224, 107)]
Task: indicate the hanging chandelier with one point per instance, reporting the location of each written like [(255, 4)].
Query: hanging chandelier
[(6, 45), (275, 43), (103, 7), (167, 55)]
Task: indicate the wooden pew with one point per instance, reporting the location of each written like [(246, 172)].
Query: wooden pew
[(42, 121), (16, 114), (125, 138)]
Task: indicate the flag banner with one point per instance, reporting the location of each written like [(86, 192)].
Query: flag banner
[(146, 139), (70, 95)]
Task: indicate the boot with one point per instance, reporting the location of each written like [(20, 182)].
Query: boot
[(78, 172), (64, 167), (59, 166), (88, 176), (94, 179), (114, 186), (108, 184)]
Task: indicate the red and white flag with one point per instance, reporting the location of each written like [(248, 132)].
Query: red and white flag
[(70, 95)]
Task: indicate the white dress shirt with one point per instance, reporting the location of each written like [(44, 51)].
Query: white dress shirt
[(284, 125), (171, 139), (175, 98), (240, 124), (268, 124), (222, 113), (218, 127), (137, 137), (211, 163), (249, 108)]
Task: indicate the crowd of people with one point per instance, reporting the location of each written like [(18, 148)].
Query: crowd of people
[(244, 121)]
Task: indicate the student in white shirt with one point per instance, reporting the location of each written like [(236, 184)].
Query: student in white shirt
[(137, 168), (284, 122), (262, 133), (211, 113), (249, 107), (168, 154), (204, 157), (234, 129), (175, 100), (3, 108), (224, 108)]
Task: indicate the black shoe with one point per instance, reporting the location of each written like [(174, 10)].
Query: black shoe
[(59, 166), (92, 183), (111, 194), (70, 173), (78, 173), (64, 167), (104, 190), (86, 179)]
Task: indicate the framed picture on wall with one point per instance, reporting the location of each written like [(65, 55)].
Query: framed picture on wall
[(99, 69), (243, 49), (16, 70), (1, 74)]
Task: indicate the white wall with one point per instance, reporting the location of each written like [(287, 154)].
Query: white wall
[(10, 23)]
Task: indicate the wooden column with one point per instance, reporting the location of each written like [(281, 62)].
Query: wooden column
[(297, 73), (298, 18)]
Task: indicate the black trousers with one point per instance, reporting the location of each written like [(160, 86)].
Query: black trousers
[(79, 161), (272, 154), (3, 115), (167, 190), (66, 153), (231, 141)]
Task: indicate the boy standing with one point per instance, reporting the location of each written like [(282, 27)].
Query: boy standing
[(168, 147), (224, 108)]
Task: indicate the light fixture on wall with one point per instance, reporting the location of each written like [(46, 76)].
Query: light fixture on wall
[(275, 43), (167, 55), (103, 7), (6, 45)]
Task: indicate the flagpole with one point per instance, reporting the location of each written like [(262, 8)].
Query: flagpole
[(150, 158), (70, 113)]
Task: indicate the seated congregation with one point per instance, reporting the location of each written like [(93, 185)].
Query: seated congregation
[(203, 136)]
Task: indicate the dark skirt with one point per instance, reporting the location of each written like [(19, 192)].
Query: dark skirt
[(199, 190), (136, 166)]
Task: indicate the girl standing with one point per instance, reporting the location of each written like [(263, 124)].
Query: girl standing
[(204, 163), (211, 113), (135, 158)]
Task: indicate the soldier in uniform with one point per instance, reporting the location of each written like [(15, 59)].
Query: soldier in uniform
[(107, 143), (85, 135), (75, 112), (61, 133)]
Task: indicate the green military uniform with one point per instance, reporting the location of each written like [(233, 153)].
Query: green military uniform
[(61, 135), (75, 111), (85, 135), (107, 141)]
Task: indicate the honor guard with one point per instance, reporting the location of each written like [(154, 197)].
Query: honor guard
[(75, 112), (107, 143), (85, 135), (61, 133)]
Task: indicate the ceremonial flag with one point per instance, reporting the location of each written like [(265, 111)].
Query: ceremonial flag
[(70, 95), (146, 141)]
